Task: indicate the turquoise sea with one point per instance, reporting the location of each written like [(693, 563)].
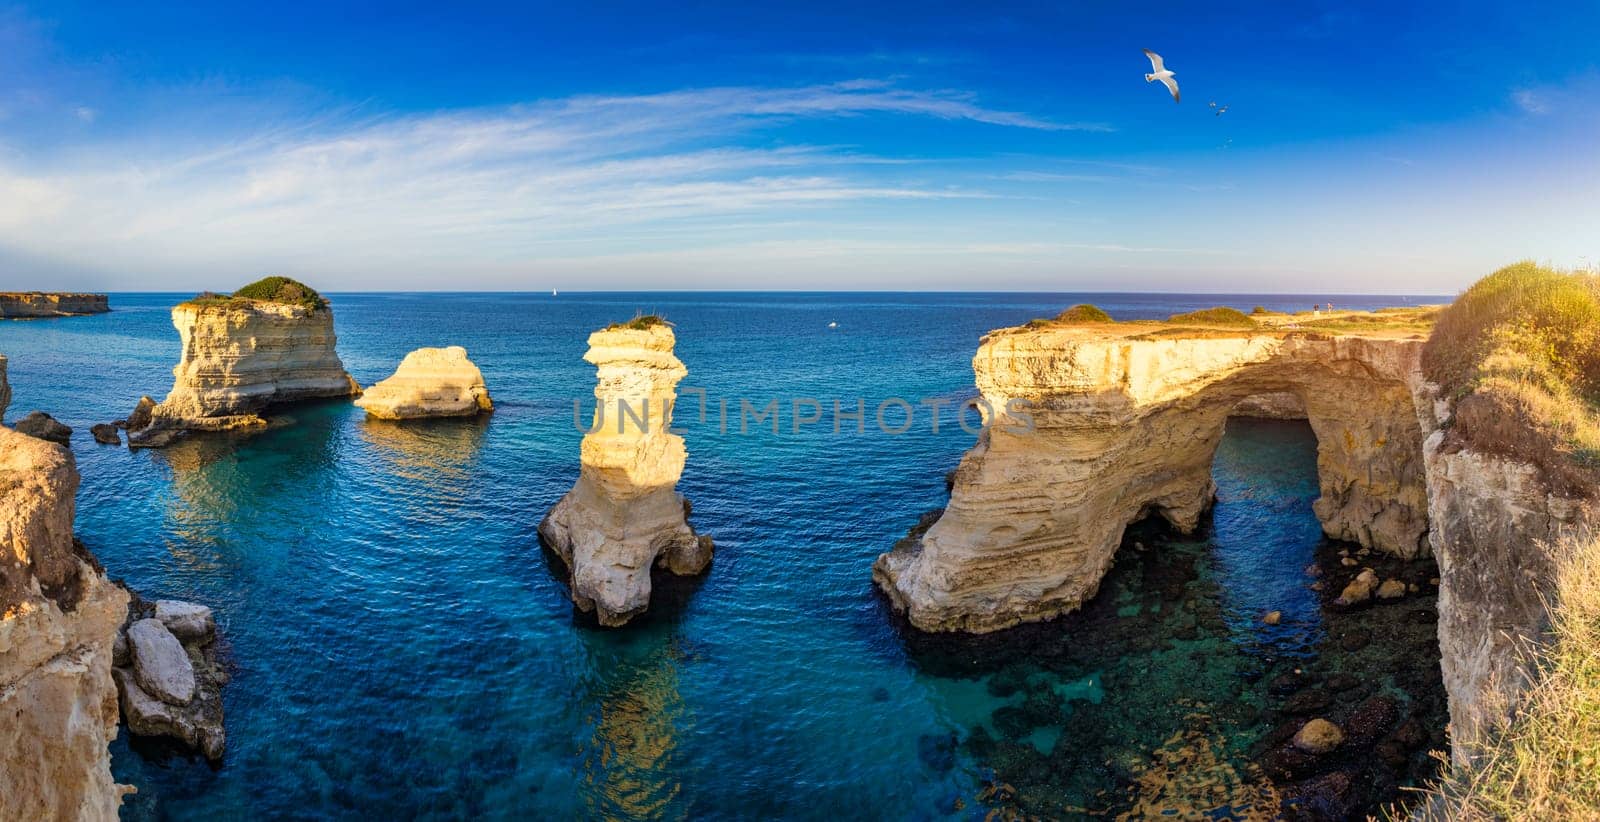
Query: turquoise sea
[(403, 648)]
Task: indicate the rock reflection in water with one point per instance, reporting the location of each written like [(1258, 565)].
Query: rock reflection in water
[(437, 454), (630, 760)]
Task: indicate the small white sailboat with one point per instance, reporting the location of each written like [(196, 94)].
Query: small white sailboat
[(833, 325), (552, 292)]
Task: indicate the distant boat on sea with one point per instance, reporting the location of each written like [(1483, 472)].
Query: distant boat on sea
[(833, 325), (552, 292)]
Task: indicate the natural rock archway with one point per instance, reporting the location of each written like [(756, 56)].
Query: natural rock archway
[(1124, 426)]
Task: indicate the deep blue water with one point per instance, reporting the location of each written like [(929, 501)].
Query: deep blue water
[(402, 648)]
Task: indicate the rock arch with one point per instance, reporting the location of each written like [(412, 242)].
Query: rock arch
[(1122, 427)]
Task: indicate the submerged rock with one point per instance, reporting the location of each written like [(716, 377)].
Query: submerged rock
[(624, 515), (45, 427), (430, 382), (1318, 736), (1273, 617), (1360, 589)]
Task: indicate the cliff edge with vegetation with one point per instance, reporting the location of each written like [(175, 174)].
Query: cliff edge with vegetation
[(1470, 433)]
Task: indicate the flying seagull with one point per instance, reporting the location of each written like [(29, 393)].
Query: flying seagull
[(1219, 110), (1161, 74)]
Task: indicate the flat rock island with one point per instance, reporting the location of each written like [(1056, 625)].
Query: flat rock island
[(28, 304), (430, 382)]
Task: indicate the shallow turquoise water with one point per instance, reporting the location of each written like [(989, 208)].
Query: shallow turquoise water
[(402, 647)]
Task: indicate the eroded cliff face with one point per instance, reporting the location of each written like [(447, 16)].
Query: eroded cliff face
[(1123, 427), (430, 382), (240, 357), (58, 618), (624, 515), (50, 304), (1498, 521)]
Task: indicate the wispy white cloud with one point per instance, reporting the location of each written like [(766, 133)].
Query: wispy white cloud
[(500, 186), (1533, 101)]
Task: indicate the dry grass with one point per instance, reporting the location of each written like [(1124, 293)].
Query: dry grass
[(1519, 352), (1544, 762), (640, 322)]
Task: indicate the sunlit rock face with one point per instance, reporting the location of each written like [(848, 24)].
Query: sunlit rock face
[(430, 382), (240, 357), (50, 304), (58, 619), (624, 515), (1123, 427)]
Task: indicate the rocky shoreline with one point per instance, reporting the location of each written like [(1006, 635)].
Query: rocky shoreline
[(1186, 707)]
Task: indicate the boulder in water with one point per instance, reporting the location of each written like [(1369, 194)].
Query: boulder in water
[(45, 427)]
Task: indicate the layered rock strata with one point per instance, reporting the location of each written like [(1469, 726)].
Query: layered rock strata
[(1109, 428), (58, 617), (20, 304), (430, 382), (239, 358), (625, 515)]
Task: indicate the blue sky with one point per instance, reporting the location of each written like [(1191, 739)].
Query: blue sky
[(1366, 148)]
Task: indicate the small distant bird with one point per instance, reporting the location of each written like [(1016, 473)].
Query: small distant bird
[(1219, 110), (1161, 74)]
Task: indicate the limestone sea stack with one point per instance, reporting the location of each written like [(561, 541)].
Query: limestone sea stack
[(430, 382), (624, 515), (58, 617), (24, 304), (269, 343)]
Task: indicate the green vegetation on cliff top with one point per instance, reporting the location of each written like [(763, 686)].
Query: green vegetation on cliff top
[(1084, 313), (1221, 315), (280, 290), (640, 323)]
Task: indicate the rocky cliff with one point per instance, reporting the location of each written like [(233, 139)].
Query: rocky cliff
[(430, 382), (624, 515), (1499, 522), (240, 357), (1122, 424), (58, 618), (50, 304)]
